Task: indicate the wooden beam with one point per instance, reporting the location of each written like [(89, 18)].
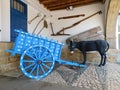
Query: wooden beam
[(62, 4), (65, 6), (47, 1), (103, 1), (44, 0), (56, 9), (68, 3)]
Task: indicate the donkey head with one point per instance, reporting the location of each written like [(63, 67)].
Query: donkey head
[(72, 46)]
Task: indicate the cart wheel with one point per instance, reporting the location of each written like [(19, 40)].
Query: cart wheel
[(37, 62)]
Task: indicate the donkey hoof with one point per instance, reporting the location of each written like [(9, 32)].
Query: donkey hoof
[(103, 64), (83, 63), (99, 65)]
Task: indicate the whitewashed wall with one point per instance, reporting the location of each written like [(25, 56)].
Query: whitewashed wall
[(0, 18), (32, 12), (5, 20), (97, 20)]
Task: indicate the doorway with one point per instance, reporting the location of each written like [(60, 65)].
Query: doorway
[(18, 17)]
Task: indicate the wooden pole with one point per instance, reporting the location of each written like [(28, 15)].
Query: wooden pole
[(44, 26), (52, 29), (37, 25), (68, 17), (58, 33), (30, 21)]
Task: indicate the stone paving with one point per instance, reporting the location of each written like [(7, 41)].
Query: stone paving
[(90, 78)]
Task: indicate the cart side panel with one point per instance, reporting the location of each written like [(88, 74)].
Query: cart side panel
[(25, 40), (52, 47), (57, 51), (18, 46), (41, 41)]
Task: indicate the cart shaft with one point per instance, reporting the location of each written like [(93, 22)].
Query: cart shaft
[(70, 63)]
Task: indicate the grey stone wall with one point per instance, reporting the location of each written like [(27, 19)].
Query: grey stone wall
[(7, 62), (113, 55)]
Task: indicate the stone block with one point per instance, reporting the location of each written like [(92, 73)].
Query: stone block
[(112, 58), (8, 67), (7, 62), (12, 59), (2, 46), (3, 60), (113, 55), (112, 42), (9, 45), (91, 34), (2, 49)]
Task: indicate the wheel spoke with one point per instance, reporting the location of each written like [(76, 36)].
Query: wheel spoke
[(28, 61), (29, 66), (47, 61), (42, 69), (34, 52), (30, 56), (46, 66), (33, 69), (39, 52), (37, 72), (48, 56), (43, 53)]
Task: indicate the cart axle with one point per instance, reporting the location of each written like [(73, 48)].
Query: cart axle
[(39, 62)]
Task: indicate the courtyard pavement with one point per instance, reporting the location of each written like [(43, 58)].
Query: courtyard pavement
[(63, 77)]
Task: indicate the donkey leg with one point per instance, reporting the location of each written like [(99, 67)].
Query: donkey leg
[(84, 56), (104, 62), (101, 60)]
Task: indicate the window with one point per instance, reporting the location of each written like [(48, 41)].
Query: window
[(18, 6), (118, 32)]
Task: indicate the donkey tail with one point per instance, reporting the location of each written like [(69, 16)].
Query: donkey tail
[(107, 46)]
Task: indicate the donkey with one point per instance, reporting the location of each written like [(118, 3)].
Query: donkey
[(97, 45)]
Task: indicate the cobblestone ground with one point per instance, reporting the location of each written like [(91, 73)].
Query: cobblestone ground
[(91, 78), (113, 76)]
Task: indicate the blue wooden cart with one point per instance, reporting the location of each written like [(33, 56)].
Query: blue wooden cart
[(38, 54)]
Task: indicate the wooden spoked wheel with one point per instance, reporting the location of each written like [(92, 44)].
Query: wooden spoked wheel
[(37, 62)]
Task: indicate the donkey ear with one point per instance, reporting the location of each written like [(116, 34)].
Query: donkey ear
[(71, 42), (68, 41)]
